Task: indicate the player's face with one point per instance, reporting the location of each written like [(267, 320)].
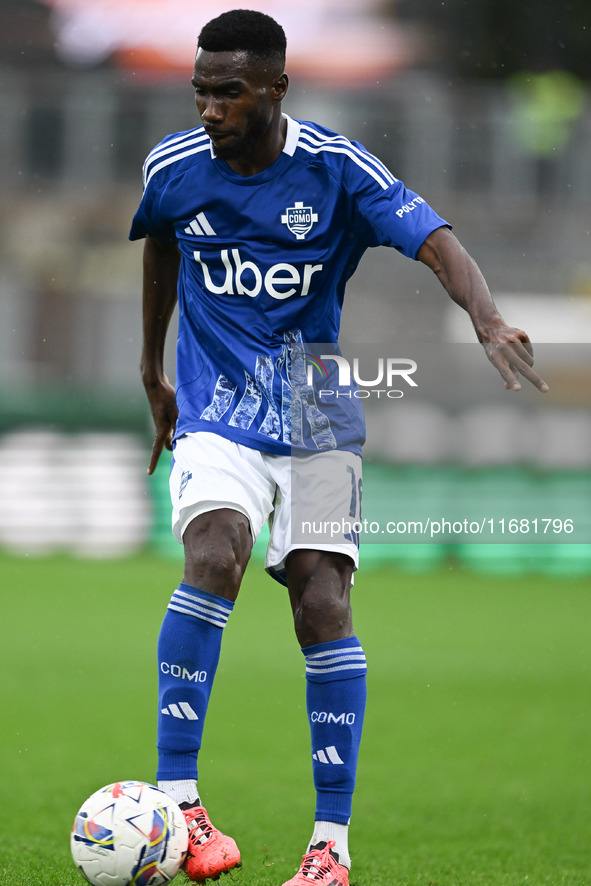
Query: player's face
[(238, 102)]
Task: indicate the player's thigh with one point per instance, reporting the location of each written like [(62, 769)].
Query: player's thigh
[(318, 507), (221, 497), (209, 472)]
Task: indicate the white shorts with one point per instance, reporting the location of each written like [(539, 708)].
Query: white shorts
[(310, 502)]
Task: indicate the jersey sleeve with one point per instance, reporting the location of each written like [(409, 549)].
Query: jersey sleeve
[(388, 213), (148, 220)]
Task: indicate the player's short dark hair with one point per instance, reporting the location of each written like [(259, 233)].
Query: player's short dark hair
[(247, 30)]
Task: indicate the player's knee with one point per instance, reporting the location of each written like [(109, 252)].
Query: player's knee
[(320, 596), (217, 549), (214, 570), (321, 618)]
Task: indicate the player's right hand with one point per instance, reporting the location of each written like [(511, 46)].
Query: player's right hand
[(165, 413), (513, 355)]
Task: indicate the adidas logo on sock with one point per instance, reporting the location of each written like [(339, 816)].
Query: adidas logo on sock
[(182, 711), (328, 755)]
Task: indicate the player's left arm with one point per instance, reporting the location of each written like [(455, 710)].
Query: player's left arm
[(508, 348)]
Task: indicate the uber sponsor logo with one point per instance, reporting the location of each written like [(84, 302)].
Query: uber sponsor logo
[(183, 673), (328, 717), (245, 278)]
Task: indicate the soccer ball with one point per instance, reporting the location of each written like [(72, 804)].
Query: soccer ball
[(128, 833)]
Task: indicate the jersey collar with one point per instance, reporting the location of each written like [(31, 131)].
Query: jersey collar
[(292, 136)]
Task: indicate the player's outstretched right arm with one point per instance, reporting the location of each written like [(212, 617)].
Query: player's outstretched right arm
[(508, 348), (161, 268)]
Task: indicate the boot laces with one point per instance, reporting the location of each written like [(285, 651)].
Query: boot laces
[(200, 827), (317, 862)]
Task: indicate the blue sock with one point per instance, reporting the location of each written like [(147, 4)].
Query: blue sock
[(188, 654), (335, 697)]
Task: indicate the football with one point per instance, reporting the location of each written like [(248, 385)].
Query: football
[(129, 832)]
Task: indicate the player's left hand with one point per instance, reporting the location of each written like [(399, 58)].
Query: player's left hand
[(512, 354)]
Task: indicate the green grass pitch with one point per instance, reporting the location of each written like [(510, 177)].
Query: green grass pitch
[(476, 761)]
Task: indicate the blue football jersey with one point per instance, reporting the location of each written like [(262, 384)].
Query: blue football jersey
[(264, 264)]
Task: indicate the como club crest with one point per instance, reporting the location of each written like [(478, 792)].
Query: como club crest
[(299, 219)]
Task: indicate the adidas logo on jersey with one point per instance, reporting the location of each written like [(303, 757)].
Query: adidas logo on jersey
[(200, 227), (328, 755), (181, 711)]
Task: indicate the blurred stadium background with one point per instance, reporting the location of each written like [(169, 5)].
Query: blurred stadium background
[(483, 108)]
